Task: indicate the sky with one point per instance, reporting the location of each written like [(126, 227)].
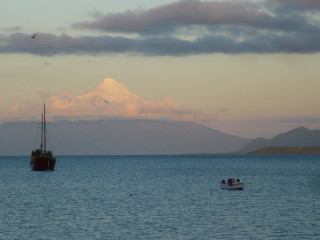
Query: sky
[(247, 68)]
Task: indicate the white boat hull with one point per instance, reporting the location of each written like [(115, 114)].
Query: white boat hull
[(234, 186)]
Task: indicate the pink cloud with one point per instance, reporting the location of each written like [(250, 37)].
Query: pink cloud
[(109, 99)]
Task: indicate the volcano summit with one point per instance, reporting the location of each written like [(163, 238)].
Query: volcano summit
[(109, 99), (110, 91)]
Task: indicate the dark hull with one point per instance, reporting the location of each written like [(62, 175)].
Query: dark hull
[(43, 163)]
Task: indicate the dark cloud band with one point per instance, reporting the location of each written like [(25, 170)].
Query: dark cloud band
[(50, 45), (281, 15), (270, 26)]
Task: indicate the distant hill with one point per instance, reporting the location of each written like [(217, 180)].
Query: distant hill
[(287, 150), (117, 137), (301, 137)]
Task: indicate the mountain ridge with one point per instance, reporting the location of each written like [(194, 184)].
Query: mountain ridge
[(119, 137), (300, 136)]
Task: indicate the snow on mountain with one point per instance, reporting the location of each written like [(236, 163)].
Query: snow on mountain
[(109, 91), (107, 100)]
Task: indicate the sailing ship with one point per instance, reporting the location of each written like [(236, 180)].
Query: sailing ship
[(41, 159)]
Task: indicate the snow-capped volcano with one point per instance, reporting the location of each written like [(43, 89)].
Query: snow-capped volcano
[(109, 91), (109, 99)]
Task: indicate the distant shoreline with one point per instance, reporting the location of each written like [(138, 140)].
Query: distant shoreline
[(262, 151), (287, 150)]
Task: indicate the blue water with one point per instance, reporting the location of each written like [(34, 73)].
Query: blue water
[(161, 197)]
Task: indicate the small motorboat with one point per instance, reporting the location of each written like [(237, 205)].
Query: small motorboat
[(232, 184)]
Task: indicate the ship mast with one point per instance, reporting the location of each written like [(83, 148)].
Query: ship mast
[(44, 128), (41, 144)]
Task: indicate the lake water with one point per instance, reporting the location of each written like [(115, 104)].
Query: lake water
[(161, 197)]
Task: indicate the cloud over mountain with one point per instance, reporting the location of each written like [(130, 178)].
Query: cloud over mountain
[(107, 100), (187, 27)]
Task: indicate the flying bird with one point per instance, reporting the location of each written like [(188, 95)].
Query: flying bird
[(34, 36)]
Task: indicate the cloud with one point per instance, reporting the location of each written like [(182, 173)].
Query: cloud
[(12, 29), (294, 5), (49, 44), (52, 45), (265, 15), (187, 28), (108, 100), (182, 13), (223, 109)]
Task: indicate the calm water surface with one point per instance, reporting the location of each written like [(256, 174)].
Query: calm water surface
[(161, 197)]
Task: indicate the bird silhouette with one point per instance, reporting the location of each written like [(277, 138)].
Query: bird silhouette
[(34, 36)]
